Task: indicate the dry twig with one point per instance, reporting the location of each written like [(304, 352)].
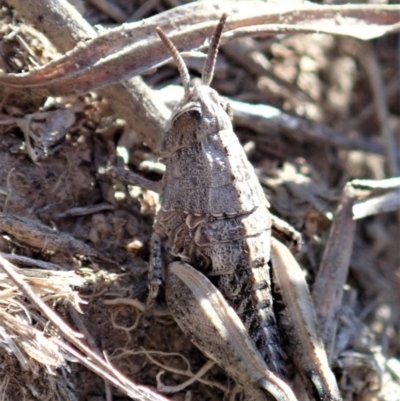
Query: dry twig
[(66, 28), (119, 57), (380, 100), (37, 235), (112, 10)]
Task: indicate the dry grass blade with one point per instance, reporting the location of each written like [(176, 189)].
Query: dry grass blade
[(328, 287), (120, 58), (20, 336), (91, 359)]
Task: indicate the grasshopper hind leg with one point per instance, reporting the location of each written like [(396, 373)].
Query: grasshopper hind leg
[(249, 293), (213, 326)]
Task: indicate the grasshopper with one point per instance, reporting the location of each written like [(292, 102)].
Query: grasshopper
[(212, 247)]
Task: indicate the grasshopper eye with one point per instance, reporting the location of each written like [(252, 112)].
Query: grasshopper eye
[(186, 123)]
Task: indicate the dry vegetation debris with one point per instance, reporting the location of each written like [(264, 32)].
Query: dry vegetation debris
[(313, 111)]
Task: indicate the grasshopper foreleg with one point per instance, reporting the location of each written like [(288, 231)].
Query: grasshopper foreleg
[(154, 275), (128, 177)]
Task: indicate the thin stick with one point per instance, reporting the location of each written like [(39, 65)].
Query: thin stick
[(112, 10), (380, 99), (209, 65)]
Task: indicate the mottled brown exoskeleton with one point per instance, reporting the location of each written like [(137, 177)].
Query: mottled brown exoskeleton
[(212, 241)]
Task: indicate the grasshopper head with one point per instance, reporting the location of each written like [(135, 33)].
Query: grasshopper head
[(202, 111)]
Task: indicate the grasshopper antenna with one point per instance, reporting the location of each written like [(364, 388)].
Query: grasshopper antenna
[(209, 66), (180, 64)]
